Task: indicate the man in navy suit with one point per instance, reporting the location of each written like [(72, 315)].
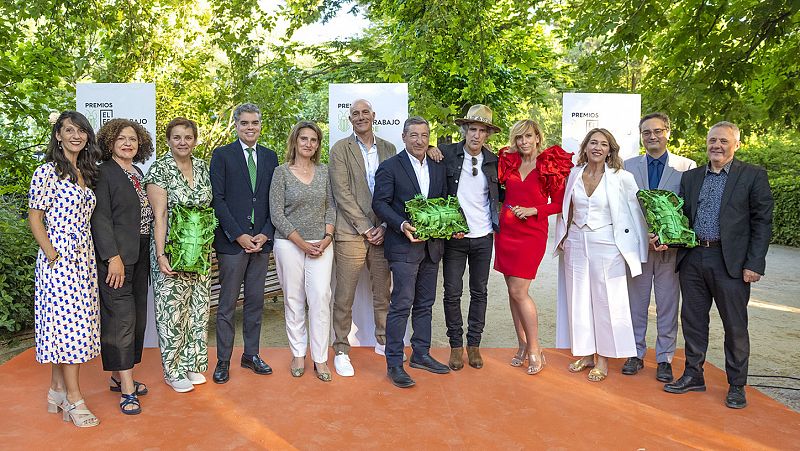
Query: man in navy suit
[(414, 263), (241, 174)]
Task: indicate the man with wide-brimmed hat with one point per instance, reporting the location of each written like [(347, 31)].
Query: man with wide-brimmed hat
[(472, 177)]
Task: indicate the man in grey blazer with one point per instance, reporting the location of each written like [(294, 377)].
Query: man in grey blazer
[(656, 169), (359, 234)]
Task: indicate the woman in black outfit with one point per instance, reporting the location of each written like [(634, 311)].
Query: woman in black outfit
[(121, 230)]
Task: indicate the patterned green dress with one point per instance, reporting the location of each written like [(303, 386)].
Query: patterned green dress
[(181, 301)]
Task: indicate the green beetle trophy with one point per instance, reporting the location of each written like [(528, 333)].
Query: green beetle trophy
[(436, 218), (665, 218), (191, 233)]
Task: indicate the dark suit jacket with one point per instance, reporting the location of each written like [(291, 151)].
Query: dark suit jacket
[(235, 200), (454, 159), (117, 217), (745, 224), (395, 183)]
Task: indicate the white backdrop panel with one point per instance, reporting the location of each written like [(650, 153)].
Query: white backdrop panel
[(101, 102), (619, 113)]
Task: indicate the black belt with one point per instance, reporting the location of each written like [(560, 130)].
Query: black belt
[(707, 243)]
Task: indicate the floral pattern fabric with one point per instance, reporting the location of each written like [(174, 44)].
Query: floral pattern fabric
[(66, 309), (147, 211), (181, 301)]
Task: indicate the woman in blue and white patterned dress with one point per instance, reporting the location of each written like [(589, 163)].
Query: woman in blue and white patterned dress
[(65, 307)]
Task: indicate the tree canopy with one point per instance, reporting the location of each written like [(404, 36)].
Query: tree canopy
[(698, 60)]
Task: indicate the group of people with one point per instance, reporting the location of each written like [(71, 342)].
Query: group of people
[(103, 227)]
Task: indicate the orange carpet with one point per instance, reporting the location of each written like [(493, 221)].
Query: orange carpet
[(497, 407)]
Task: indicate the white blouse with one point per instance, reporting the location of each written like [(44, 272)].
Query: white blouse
[(594, 210)]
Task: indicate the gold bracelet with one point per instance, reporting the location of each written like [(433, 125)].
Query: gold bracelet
[(52, 262)]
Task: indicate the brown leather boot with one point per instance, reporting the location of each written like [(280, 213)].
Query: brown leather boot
[(456, 358), (474, 356)]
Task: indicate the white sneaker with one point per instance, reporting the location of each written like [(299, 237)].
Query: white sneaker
[(195, 378), (343, 366), (381, 350), (180, 385)]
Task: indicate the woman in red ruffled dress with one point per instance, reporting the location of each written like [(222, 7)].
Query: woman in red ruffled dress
[(534, 189)]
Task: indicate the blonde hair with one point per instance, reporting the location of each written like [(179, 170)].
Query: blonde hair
[(613, 160), (522, 127), (291, 142)]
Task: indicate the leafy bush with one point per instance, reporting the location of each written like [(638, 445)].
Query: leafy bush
[(17, 263), (786, 191)]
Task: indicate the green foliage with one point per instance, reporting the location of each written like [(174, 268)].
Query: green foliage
[(17, 262), (786, 216), (700, 61)]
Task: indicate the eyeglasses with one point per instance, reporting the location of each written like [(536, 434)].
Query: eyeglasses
[(657, 132), (474, 166)]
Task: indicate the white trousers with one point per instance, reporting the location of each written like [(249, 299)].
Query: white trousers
[(597, 294), (305, 280)]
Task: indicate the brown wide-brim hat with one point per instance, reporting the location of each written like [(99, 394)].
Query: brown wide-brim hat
[(481, 114)]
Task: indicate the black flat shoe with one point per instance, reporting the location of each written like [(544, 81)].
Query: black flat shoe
[(736, 398), (632, 366), (256, 364), (686, 384), (664, 372), (221, 374), (399, 377), (428, 363)]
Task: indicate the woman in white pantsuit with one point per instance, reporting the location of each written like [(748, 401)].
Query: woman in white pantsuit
[(603, 235), (302, 209)]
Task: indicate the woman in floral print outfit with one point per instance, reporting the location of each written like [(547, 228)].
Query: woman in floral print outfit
[(181, 298)]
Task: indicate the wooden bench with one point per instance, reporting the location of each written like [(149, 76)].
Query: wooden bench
[(272, 288)]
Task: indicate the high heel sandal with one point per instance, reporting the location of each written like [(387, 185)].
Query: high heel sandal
[(81, 417), (324, 377), (116, 386), (297, 372), (55, 399), (519, 358), (580, 365), (535, 364)]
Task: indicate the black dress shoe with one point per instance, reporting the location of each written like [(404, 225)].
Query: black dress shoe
[(399, 377), (428, 363), (686, 384), (256, 364), (221, 371), (736, 398), (632, 366), (664, 372)]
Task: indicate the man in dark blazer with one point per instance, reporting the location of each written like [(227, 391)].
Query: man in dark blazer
[(729, 205), (472, 177), (414, 263), (241, 174)]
